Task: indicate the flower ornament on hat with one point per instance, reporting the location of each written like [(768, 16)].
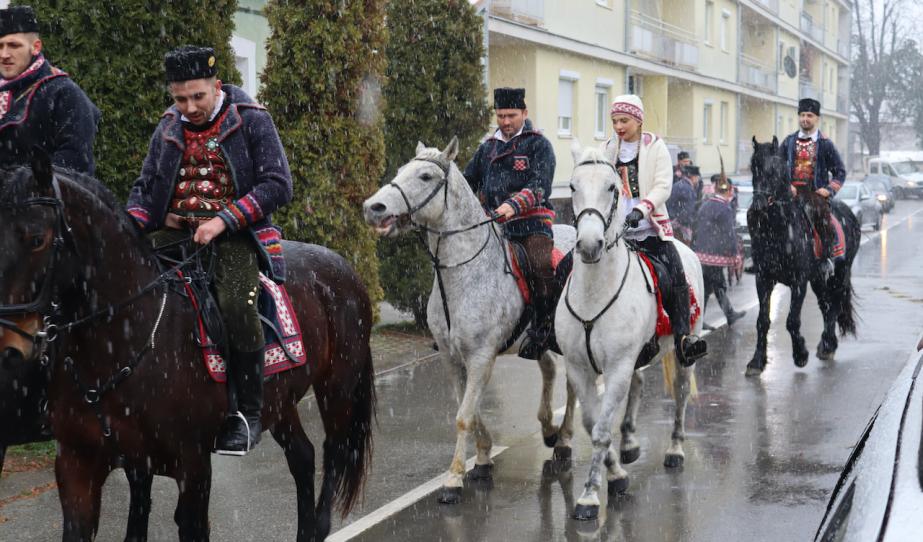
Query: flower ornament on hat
[(628, 104)]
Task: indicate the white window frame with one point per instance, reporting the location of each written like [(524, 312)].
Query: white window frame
[(725, 18), (706, 122), (603, 92), (709, 21), (724, 114), (566, 122), (245, 60)]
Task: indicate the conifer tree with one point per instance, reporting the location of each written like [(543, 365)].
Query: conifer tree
[(435, 90), (115, 51), (321, 84)]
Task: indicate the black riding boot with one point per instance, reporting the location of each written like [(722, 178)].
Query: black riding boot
[(241, 431), (540, 336), (729, 312), (688, 347)]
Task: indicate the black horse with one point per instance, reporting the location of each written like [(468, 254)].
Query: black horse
[(783, 252), (126, 384)]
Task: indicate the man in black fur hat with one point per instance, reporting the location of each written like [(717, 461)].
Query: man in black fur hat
[(39, 104), (511, 173), (817, 172)]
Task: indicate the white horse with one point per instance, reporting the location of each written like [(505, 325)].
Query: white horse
[(475, 304), (606, 317)]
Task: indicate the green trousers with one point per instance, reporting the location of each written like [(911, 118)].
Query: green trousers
[(236, 285)]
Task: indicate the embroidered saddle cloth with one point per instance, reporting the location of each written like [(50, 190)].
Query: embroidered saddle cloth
[(658, 270)]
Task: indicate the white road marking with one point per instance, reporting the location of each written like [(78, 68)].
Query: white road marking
[(368, 521)]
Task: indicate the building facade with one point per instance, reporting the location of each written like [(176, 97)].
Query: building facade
[(712, 73)]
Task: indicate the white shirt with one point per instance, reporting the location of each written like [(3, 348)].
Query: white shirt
[(499, 135), (814, 135), (218, 104)]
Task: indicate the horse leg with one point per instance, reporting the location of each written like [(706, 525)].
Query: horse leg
[(80, 477), (139, 508), (562, 450), (473, 378), (630, 448), (681, 383), (793, 324), (483, 465), (191, 516), (600, 430), (553, 436), (299, 453), (830, 307), (764, 288)]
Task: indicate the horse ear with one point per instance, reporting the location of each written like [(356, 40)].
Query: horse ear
[(775, 144), (755, 143), (451, 150), (42, 170), (576, 150), (420, 147)]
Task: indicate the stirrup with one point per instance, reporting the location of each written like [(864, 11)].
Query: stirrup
[(237, 453)]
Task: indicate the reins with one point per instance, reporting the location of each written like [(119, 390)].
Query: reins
[(441, 235)]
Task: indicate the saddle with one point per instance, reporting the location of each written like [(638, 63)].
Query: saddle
[(660, 277), (519, 267), (839, 239), (284, 348)]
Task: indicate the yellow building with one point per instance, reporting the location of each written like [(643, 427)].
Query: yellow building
[(712, 73)]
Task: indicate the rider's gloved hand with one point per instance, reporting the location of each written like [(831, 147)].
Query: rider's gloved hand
[(633, 218)]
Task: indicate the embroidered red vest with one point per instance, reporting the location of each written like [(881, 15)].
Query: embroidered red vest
[(805, 159), (203, 186)]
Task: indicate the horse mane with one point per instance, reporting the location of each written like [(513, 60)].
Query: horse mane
[(774, 174), (593, 154)]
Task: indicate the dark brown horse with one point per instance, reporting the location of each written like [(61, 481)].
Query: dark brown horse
[(127, 387)]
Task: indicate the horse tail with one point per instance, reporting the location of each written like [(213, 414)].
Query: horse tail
[(668, 363), (846, 294)]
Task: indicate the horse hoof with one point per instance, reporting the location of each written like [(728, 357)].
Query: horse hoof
[(672, 461), (586, 512), (826, 356), (618, 486), (801, 361), (450, 495), (753, 371), (481, 472), (630, 455), (561, 453), (550, 440)]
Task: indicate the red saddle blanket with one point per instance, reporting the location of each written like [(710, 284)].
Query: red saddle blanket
[(839, 241), (521, 282), (284, 334), (663, 321)]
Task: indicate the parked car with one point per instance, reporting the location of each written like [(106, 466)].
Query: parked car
[(906, 177), (859, 198), (880, 186), (744, 199), (879, 493)]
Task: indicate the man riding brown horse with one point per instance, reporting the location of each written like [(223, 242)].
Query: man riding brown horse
[(216, 165)]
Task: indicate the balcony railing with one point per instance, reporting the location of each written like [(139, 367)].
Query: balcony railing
[(771, 5), (530, 12), (809, 27), (662, 41), (757, 74), (806, 89)]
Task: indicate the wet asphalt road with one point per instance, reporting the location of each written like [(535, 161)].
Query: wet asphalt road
[(762, 455)]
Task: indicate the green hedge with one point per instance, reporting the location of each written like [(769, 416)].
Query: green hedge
[(114, 51), (321, 84), (435, 91)]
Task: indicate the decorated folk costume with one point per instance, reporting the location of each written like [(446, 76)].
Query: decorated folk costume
[(232, 166), (43, 107), (518, 171)]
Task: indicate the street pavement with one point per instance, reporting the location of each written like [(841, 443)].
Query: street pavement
[(762, 454)]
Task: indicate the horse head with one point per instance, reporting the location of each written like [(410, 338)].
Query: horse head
[(418, 195), (29, 211), (594, 189), (770, 174)]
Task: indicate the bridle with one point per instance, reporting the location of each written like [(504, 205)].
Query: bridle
[(441, 235), (592, 211)]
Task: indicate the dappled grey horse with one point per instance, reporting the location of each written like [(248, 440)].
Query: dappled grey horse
[(607, 316), (475, 305)]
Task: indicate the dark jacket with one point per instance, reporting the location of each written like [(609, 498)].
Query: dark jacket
[(715, 232), (518, 172), (258, 166), (49, 110), (829, 171), (681, 205)]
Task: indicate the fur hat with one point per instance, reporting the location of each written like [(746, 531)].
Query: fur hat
[(809, 105), (509, 98), (628, 104), (190, 62), (17, 19)]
